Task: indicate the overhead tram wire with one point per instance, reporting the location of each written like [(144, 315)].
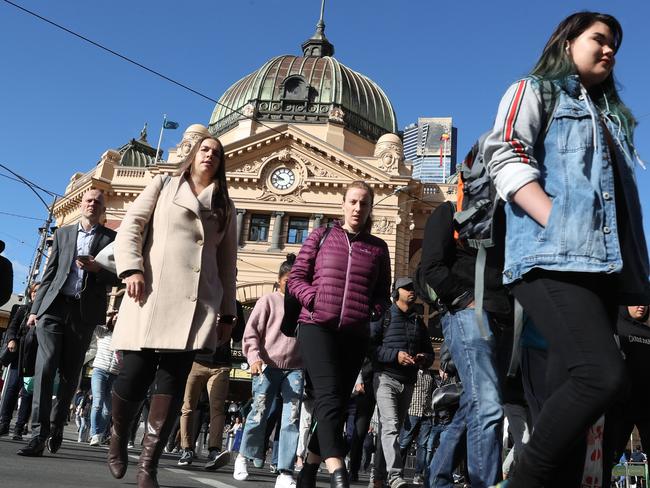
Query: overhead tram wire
[(21, 179), (160, 75), (255, 265), (134, 62), (20, 216)]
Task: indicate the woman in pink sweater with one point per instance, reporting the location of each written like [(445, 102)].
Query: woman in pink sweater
[(276, 367)]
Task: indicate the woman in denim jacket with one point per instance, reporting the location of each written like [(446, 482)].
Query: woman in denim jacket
[(561, 156)]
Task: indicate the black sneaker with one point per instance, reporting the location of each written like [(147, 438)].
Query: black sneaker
[(217, 460), (4, 428), (187, 456)]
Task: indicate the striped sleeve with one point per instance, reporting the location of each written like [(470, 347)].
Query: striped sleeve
[(508, 150)]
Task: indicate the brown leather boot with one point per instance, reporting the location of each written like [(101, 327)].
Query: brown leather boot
[(122, 412), (162, 414)]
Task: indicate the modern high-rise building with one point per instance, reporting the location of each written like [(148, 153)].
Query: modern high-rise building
[(430, 145)]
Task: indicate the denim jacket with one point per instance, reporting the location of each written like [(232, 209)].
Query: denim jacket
[(574, 166)]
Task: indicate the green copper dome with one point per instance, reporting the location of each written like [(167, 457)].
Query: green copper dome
[(314, 88)]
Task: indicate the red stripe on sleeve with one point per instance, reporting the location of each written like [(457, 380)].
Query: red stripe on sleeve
[(510, 122)]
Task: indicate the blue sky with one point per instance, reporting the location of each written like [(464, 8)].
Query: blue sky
[(64, 102)]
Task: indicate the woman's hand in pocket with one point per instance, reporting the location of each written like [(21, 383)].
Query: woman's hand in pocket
[(256, 368)]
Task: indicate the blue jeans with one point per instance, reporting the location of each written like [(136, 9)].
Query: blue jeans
[(101, 382), (420, 426), (14, 383), (480, 411), (289, 382)]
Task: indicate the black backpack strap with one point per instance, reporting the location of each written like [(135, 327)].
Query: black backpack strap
[(324, 236), (479, 288)]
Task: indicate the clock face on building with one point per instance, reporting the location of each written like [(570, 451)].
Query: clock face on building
[(283, 178)]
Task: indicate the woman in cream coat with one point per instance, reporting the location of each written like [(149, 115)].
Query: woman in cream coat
[(180, 296)]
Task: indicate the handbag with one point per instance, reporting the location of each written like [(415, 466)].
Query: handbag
[(6, 356), (106, 257), (28, 350), (447, 396), (292, 306)]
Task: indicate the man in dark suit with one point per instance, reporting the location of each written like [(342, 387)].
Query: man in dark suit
[(69, 304)]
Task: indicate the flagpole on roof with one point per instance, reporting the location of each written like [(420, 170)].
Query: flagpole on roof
[(162, 128)]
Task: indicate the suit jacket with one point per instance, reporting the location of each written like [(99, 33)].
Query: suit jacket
[(93, 300)]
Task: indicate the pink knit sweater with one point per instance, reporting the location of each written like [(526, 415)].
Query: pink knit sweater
[(263, 338)]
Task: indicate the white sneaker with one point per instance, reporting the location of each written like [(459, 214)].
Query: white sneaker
[(285, 480), (240, 473), (96, 440)]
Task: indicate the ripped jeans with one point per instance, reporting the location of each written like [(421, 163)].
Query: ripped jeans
[(288, 383)]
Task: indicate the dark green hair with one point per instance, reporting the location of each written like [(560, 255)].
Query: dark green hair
[(555, 63)]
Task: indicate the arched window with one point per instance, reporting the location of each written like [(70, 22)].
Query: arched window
[(295, 88)]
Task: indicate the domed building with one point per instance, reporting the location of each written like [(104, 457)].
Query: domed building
[(308, 89), (295, 132)]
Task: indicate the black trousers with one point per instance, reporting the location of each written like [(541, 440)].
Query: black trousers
[(584, 373), (168, 371), (63, 339), (333, 360)]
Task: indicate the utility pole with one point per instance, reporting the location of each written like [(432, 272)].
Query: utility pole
[(44, 233)]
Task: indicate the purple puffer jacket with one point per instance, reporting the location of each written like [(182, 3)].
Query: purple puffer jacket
[(341, 284)]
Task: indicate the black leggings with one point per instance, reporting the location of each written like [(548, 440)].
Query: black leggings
[(333, 360), (140, 368), (585, 371)]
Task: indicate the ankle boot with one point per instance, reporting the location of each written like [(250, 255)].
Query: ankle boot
[(339, 479), (162, 415), (123, 412), (307, 475)]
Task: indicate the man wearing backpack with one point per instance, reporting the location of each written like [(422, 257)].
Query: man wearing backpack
[(448, 266), (403, 347)]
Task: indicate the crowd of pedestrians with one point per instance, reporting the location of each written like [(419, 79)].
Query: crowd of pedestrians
[(545, 330)]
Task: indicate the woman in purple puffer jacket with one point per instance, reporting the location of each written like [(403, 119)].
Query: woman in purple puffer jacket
[(342, 280)]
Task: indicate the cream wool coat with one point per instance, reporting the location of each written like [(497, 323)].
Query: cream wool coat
[(188, 266)]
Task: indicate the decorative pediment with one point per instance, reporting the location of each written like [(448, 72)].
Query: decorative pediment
[(314, 161)]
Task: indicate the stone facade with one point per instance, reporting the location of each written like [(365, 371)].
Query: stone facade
[(285, 180)]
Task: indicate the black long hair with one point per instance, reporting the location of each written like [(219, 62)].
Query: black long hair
[(555, 63), (220, 205), (286, 266)]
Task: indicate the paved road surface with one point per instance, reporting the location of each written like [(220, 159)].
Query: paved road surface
[(79, 465)]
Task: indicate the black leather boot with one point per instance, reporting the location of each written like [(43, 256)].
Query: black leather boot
[(339, 479), (307, 475), (123, 412)]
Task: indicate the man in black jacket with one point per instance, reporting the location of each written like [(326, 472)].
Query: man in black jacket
[(403, 347), (633, 405), (69, 304), (449, 268), (14, 336)]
